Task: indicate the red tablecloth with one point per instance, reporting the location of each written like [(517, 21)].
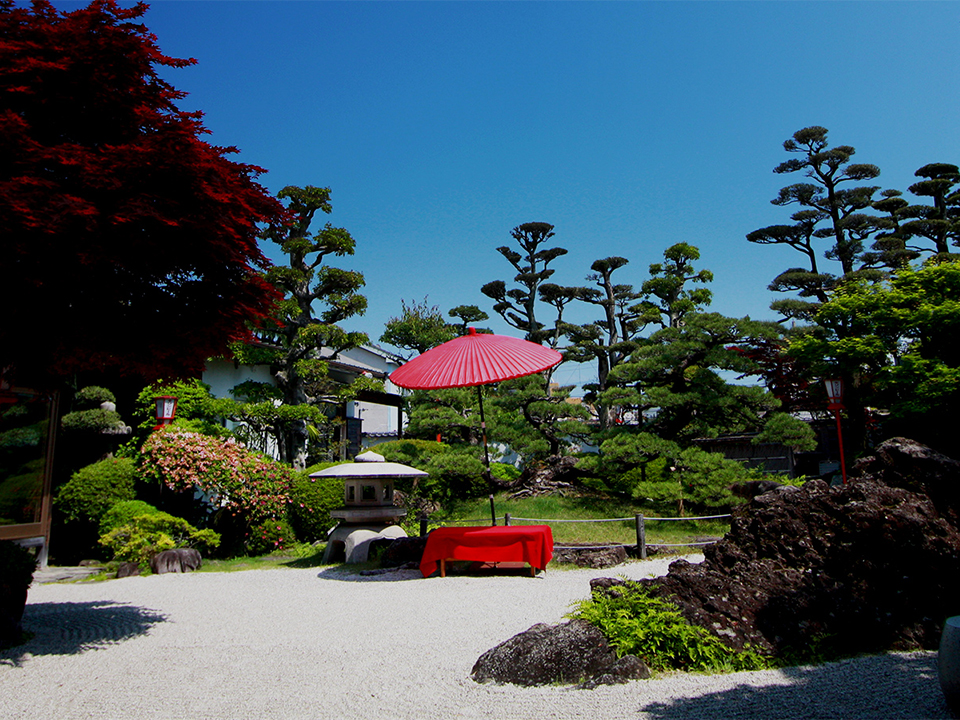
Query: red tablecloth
[(531, 544)]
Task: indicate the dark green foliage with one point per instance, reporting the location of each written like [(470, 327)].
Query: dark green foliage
[(123, 512), (270, 536), (311, 500), (95, 395), (636, 623), (419, 328), (146, 535), (453, 471), (93, 490), (17, 565)]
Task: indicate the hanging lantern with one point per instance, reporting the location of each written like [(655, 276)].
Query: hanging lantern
[(166, 409), (834, 391)]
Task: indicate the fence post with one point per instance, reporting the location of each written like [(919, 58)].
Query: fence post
[(641, 537), (493, 511), (423, 524), (506, 519)]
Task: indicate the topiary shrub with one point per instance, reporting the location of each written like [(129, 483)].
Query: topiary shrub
[(270, 536), (636, 623), (123, 512), (311, 500), (94, 489), (145, 535)]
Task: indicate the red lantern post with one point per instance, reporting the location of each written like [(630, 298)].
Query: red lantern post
[(835, 393)]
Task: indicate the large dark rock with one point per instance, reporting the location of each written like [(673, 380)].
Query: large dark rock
[(900, 462), (591, 556), (860, 568), (574, 652), (397, 552), (179, 560)]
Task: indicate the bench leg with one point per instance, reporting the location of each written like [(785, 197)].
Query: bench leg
[(443, 567)]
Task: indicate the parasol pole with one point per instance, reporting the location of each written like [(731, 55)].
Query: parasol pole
[(483, 430)]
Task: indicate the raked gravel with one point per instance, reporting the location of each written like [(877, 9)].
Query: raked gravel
[(324, 643)]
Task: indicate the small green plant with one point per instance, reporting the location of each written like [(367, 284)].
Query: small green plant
[(270, 536), (94, 489), (146, 535), (637, 623), (123, 512)]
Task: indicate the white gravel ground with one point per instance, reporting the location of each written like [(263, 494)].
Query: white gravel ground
[(322, 644)]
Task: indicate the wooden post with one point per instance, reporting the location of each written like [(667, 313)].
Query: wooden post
[(493, 513), (506, 519), (641, 537), (423, 524)]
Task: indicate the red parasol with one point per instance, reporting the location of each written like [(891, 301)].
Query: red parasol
[(474, 359)]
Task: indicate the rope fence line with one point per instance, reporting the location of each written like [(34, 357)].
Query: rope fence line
[(638, 519), (626, 519)]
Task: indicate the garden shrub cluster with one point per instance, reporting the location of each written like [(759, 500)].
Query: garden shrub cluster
[(124, 512), (235, 478), (144, 536), (311, 500), (270, 536), (637, 623), (93, 490)]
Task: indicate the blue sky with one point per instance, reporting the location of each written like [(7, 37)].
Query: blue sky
[(630, 126)]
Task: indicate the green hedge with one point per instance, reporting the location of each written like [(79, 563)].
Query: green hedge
[(93, 490)]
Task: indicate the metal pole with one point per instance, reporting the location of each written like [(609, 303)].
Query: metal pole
[(423, 524), (641, 537)]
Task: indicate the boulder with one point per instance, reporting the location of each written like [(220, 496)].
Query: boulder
[(128, 569), (400, 551), (573, 652), (178, 560), (591, 556), (903, 463), (859, 568)]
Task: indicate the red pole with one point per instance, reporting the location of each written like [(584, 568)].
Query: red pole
[(843, 464)]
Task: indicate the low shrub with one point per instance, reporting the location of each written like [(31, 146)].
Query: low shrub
[(637, 623), (123, 512), (504, 472), (311, 500), (94, 489), (270, 536), (145, 535)]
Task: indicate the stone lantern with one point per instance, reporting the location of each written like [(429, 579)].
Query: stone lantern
[(368, 511)]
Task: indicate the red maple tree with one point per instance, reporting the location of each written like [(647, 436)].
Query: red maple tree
[(128, 243)]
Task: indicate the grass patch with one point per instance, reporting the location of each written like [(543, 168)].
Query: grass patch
[(581, 508), (297, 556)]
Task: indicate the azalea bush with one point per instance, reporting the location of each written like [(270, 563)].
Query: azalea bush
[(239, 480)]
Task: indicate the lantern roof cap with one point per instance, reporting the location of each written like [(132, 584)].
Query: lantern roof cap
[(370, 465)]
